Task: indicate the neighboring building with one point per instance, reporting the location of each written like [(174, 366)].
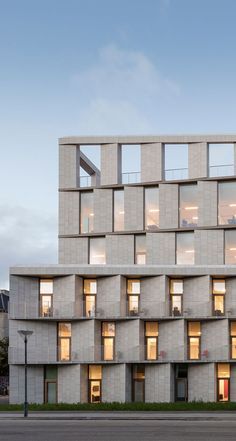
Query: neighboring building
[(4, 324), (142, 305)]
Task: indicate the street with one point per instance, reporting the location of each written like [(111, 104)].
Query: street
[(66, 430)]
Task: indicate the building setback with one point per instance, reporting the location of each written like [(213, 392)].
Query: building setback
[(142, 304)]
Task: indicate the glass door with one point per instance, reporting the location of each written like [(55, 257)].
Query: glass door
[(95, 391)]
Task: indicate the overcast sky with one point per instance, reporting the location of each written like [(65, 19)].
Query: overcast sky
[(80, 67)]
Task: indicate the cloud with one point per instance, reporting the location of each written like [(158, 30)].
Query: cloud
[(26, 237), (119, 92)]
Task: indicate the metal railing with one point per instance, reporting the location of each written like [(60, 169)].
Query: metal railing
[(85, 181), (131, 178), (221, 170), (173, 174)]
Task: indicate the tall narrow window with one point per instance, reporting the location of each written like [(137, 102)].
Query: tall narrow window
[(119, 210), (86, 212), (50, 384), (230, 247), (227, 203), (176, 161), (188, 209), (223, 381), (233, 339), (218, 292), (95, 383), (185, 248), (138, 382), (221, 159), (46, 296), (194, 340), (90, 292), (133, 294), (108, 340), (176, 297), (97, 253), (140, 249), (151, 208), (64, 341), (181, 382), (151, 337), (131, 163)]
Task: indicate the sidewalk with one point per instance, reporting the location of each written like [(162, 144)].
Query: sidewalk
[(104, 416)]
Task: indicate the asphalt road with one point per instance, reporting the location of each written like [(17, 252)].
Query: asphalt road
[(52, 430)]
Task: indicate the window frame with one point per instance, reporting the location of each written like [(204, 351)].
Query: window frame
[(108, 337), (59, 340)]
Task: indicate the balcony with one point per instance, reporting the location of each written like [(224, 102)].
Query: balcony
[(131, 178), (221, 170), (175, 174)]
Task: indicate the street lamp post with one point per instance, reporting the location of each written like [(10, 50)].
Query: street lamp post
[(25, 334)]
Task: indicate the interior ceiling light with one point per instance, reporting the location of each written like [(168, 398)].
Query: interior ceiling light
[(191, 208), (154, 210), (232, 205)]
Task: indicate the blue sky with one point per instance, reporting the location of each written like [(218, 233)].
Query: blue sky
[(100, 67)]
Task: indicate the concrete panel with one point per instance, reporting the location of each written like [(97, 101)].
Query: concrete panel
[(151, 162), (64, 297), (84, 383), (153, 301), (68, 387), (73, 250), (160, 248), (68, 212), (230, 297), (110, 164), (108, 296), (113, 383), (120, 249), (169, 205), (197, 298), (128, 341), (208, 204), (134, 208), (197, 160), (103, 210), (233, 382), (171, 340), (215, 340), (83, 345), (201, 382), (24, 298), (158, 383), (35, 385), (69, 166), (209, 247)]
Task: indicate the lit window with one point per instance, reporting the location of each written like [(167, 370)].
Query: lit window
[(64, 341), (140, 249), (95, 383), (97, 254), (176, 296), (152, 208), (185, 249), (218, 293), (233, 339), (133, 293), (227, 203), (221, 159), (230, 247), (188, 210), (151, 337), (90, 291), (119, 210), (108, 340), (46, 295), (223, 378), (194, 335), (86, 212)]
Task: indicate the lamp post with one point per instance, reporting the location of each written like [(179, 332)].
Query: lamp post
[(25, 334)]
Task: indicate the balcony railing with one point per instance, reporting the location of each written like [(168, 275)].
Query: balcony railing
[(174, 174), (131, 178), (85, 181), (221, 170)]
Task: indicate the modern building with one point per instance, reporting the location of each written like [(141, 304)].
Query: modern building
[(142, 304), (4, 324)]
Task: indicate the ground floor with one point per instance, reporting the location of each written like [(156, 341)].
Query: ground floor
[(163, 382)]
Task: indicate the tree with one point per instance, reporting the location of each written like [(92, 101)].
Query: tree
[(4, 368)]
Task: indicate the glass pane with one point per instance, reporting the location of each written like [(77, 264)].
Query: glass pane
[(64, 329), (223, 392), (152, 208), (108, 329), (138, 391), (46, 306), (119, 210), (95, 372), (51, 392), (151, 329), (140, 249), (194, 328), (46, 286), (181, 389), (233, 328), (151, 348), (185, 249), (176, 305), (227, 203), (188, 210), (219, 286), (138, 371), (176, 161), (230, 247), (194, 348), (218, 304), (233, 348), (51, 373), (108, 348), (86, 212), (90, 286), (223, 370), (176, 286), (133, 286), (90, 306), (64, 349), (95, 391), (97, 251), (133, 305), (221, 159)]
